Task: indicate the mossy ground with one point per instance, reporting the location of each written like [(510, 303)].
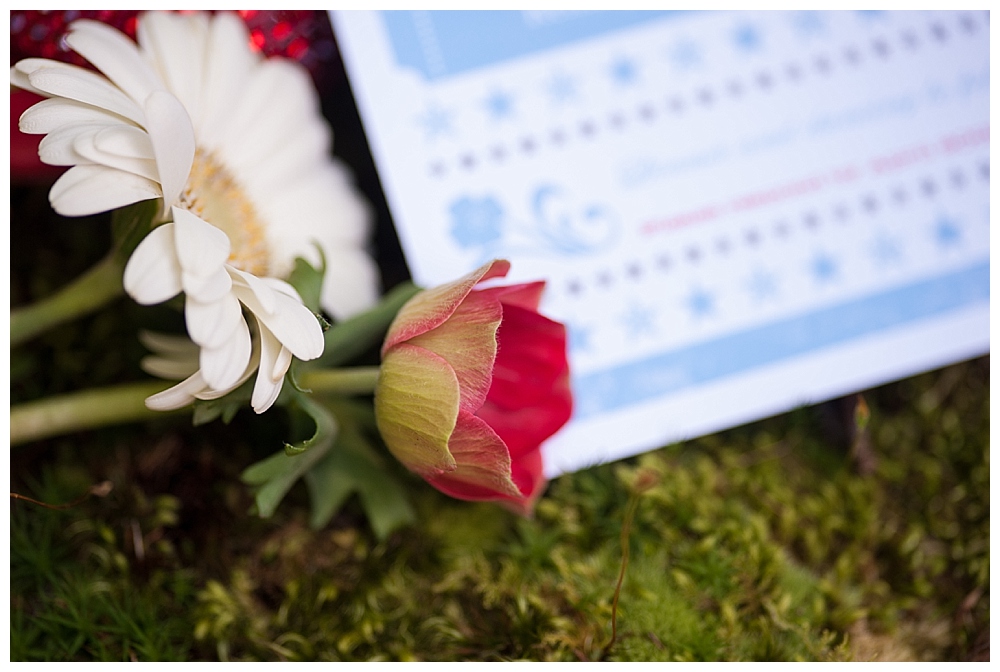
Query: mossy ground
[(765, 542)]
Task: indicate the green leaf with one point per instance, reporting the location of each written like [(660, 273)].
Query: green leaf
[(308, 281), (129, 225), (273, 477), (350, 338), (354, 467)]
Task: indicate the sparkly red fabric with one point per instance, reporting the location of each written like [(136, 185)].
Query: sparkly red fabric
[(302, 35)]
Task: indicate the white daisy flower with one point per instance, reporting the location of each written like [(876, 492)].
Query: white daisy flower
[(192, 116), (189, 255)]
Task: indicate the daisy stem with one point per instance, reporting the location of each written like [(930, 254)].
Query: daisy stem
[(343, 382), (95, 288), (88, 409)]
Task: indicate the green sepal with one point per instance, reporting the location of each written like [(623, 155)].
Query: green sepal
[(354, 467), (273, 477), (308, 281), (226, 408), (129, 225)]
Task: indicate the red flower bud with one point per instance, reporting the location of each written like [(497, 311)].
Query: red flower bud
[(473, 380)]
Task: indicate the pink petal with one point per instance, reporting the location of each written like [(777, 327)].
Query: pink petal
[(431, 307)]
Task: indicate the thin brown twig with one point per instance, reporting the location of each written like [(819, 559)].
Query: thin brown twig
[(99, 490)]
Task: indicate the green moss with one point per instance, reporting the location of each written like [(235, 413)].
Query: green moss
[(761, 543)]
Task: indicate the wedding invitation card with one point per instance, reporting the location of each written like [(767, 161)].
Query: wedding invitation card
[(736, 213)]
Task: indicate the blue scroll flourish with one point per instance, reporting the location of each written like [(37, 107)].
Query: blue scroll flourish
[(558, 226)]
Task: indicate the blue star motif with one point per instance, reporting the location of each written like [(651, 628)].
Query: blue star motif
[(762, 285), (624, 71), (579, 337), (809, 23), (747, 38), (700, 302), (638, 320), (562, 88), (871, 14), (886, 249), (685, 55), (436, 121), (823, 267), (946, 233), (499, 105)]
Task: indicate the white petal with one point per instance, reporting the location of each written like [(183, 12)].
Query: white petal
[(85, 145), (176, 347), (274, 126), (170, 369), (178, 396), (116, 56), (251, 367), (87, 190), (280, 285), (175, 43), (152, 274), (265, 389), (172, 135), (281, 364), (56, 148), (53, 113), (20, 80), (265, 301), (292, 323), (125, 140), (222, 367), (75, 83), (228, 67), (207, 288), (201, 247), (211, 324)]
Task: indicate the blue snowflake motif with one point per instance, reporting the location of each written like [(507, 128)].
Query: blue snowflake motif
[(886, 250), (824, 268), (476, 221), (700, 302), (639, 320), (685, 55), (946, 233), (809, 23), (562, 88), (624, 71), (762, 285), (500, 105), (870, 14), (436, 121), (747, 38)]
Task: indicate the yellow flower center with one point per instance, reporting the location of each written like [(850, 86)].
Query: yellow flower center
[(213, 194)]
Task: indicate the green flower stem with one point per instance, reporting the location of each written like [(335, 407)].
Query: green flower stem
[(88, 409), (95, 288), (343, 382), (101, 407)]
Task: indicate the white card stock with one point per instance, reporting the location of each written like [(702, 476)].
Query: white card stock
[(736, 213)]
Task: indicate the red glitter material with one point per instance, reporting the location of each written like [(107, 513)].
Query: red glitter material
[(302, 35)]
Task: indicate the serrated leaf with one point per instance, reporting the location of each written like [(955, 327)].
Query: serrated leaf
[(352, 467), (274, 476)]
